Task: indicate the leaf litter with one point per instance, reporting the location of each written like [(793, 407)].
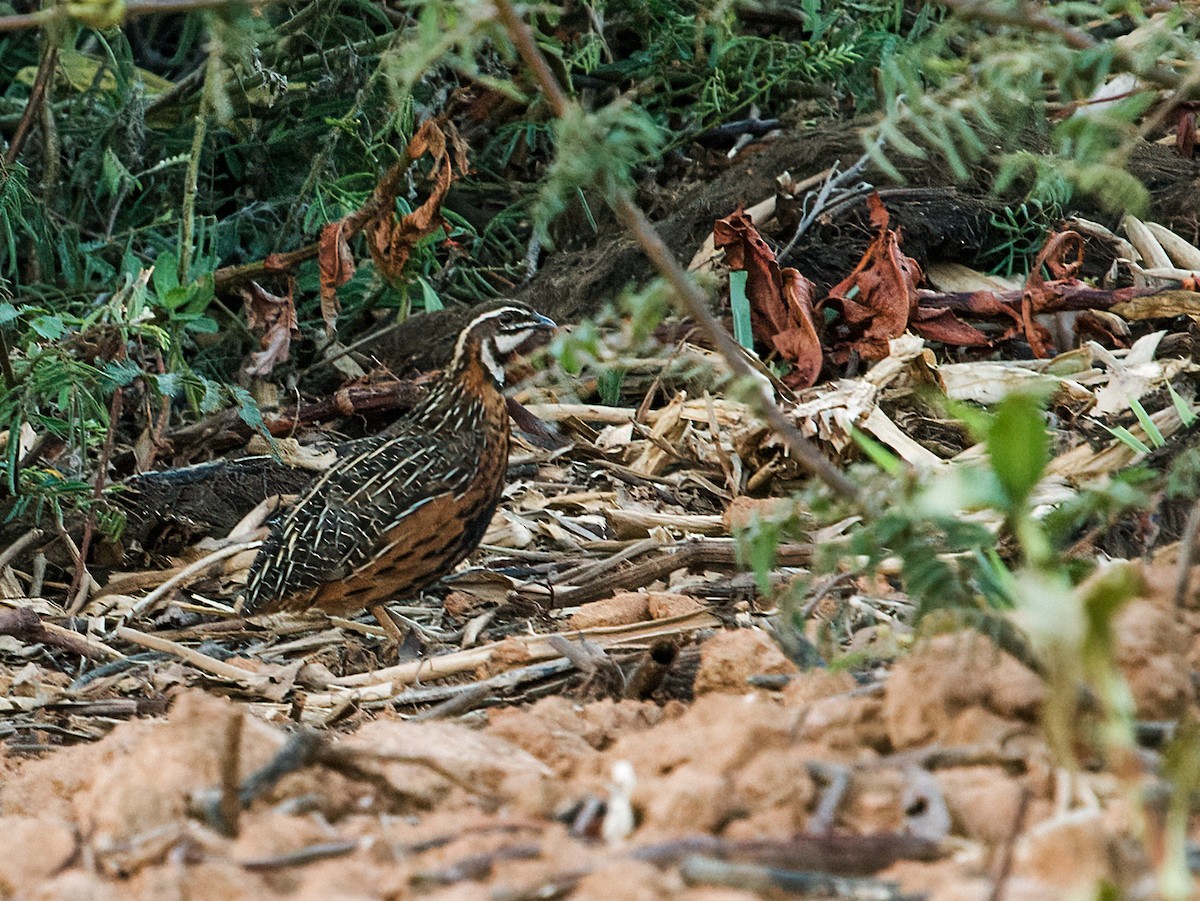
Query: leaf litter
[(598, 700)]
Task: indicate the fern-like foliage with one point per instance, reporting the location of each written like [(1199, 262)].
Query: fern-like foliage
[(986, 78)]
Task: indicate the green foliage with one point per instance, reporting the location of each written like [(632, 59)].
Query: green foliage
[(962, 90), (608, 384), (701, 58), (1154, 435), (596, 151), (973, 552), (739, 303), (1022, 229), (756, 545), (1019, 447), (572, 349), (1181, 765), (646, 307)]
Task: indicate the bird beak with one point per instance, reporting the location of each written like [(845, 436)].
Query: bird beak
[(539, 334)]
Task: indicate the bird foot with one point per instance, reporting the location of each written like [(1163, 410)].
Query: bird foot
[(402, 641)]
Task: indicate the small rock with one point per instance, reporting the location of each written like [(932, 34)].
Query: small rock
[(816, 685), (1152, 648), (743, 511), (76, 885), (664, 604), (486, 762), (143, 774), (982, 800), (688, 800), (621, 609), (845, 723), (629, 880), (943, 678), (1070, 851), (730, 658), (874, 802), (23, 868)]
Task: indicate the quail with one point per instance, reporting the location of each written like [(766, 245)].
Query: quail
[(402, 510)]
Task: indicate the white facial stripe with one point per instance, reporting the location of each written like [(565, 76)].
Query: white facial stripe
[(461, 345), (507, 342), (495, 314), (488, 356)]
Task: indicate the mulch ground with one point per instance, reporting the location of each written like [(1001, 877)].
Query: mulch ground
[(597, 704)]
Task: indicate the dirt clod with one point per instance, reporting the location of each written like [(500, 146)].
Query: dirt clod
[(729, 659)]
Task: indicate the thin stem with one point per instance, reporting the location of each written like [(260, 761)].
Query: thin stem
[(693, 300), (187, 224), (51, 148), (78, 585), (37, 95), (10, 377), (134, 9), (1032, 17)]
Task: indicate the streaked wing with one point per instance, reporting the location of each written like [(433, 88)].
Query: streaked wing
[(342, 521)]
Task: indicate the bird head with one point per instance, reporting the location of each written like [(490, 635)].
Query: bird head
[(497, 334)]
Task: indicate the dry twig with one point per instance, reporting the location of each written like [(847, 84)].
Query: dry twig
[(691, 297)]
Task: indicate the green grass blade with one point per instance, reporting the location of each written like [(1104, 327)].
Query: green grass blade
[(1154, 436), (743, 331), (877, 453), (1127, 438), (1186, 415)]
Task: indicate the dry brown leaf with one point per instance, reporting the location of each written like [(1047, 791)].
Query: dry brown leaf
[(942, 325), (1062, 257), (781, 307), (392, 240), (337, 267), (880, 296), (275, 317), (800, 343)]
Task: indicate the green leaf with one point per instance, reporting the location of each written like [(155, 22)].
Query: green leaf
[(757, 547), (210, 402), (8, 313), (608, 383), (877, 453), (1127, 438), (49, 327), (250, 413), (1019, 446), (121, 372), (112, 173), (430, 302), (743, 330), (169, 384), (1152, 432), (172, 298), (1186, 415), (202, 325)]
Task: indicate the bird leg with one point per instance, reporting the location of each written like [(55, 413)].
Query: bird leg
[(395, 634)]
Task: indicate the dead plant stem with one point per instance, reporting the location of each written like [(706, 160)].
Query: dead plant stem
[(147, 603), (10, 553), (690, 296), (10, 378), (37, 94), (25, 21), (187, 217), (78, 594), (1031, 17), (231, 757), (1187, 556), (200, 661)]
